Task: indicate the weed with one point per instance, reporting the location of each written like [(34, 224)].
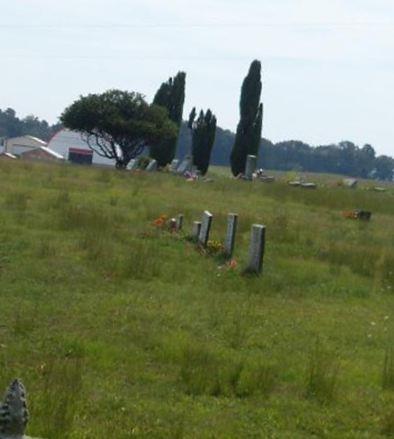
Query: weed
[(322, 374), (388, 370)]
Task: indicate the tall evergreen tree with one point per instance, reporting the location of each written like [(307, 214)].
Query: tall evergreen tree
[(171, 96), (203, 138), (248, 136)]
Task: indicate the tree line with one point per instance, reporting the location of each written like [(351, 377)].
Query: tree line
[(121, 125), (13, 126)]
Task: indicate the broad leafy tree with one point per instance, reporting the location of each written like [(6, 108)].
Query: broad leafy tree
[(118, 124), (248, 136), (203, 138), (171, 96)]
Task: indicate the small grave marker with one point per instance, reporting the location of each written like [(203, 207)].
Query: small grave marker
[(196, 230), (185, 166), (256, 249), (133, 164), (174, 165), (251, 164), (179, 222), (205, 228), (152, 166), (232, 222)]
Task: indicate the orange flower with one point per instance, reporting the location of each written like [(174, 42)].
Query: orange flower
[(159, 222), (232, 264)]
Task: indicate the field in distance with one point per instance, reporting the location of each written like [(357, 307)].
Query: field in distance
[(121, 329)]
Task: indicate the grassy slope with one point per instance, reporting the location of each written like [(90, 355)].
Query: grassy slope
[(119, 330)]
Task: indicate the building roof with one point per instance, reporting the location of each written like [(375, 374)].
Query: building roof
[(9, 155), (20, 138), (52, 152)]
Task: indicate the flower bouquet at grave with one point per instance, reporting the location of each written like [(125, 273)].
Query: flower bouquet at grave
[(215, 247)]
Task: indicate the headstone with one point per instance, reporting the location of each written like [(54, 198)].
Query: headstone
[(172, 224), (251, 164), (196, 230), (185, 166), (152, 166), (174, 165), (133, 164), (294, 183), (350, 182), (206, 224), (229, 242), (13, 412), (179, 222), (309, 185), (256, 249)]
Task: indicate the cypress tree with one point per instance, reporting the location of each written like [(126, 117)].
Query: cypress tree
[(171, 96), (248, 136), (203, 138)]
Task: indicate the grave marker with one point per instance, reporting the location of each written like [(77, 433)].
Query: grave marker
[(232, 222), (205, 228), (196, 230), (179, 222), (133, 164), (185, 166), (174, 165), (256, 249), (251, 164), (152, 166)]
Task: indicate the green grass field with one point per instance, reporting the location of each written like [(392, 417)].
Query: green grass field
[(122, 330)]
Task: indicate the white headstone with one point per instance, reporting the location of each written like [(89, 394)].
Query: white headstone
[(186, 165), (152, 166), (133, 164), (229, 242), (206, 224), (256, 249), (251, 164), (174, 165)]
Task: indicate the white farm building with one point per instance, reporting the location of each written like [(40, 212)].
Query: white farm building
[(72, 147)]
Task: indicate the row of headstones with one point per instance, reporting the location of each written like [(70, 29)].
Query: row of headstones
[(201, 231), (186, 165)]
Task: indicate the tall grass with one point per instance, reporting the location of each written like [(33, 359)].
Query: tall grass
[(322, 374)]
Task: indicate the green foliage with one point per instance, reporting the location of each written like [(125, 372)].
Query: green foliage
[(203, 138), (12, 126), (171, 96), (118, 124), (248, 136)]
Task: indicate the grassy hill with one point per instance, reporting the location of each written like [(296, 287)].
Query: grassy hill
[(119, 329)]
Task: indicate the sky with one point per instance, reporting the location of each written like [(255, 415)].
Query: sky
[(328, 65)]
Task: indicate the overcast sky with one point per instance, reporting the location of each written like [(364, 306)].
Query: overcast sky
[(328, 65)]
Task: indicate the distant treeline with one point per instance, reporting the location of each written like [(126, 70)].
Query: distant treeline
[(12, 126), (343, 158)]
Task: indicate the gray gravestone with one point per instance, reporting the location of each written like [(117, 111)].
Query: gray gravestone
[(185, 166), (179, 222), (174, 165), (196, 230), (206, 224), (13, 413), (152, 166), (256, 249), (133, 164), (251, 164), (229, 242)]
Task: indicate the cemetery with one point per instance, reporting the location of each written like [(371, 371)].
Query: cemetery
[(137, 302)]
